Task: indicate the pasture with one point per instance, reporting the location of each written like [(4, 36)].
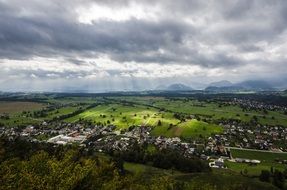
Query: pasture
[(60, 112), (268, 160), (14, 107), (258, 155), (163, 123), (124, 116), (211, 109), (253, 170), (191, 128), (157, 112)]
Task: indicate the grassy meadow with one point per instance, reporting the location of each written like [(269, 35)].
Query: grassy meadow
[(191, 128), (14, 110), (268, 160), (12, 107), (210, 109), (124, 116)]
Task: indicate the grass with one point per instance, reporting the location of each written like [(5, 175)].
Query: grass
[(143, 111), (263, 156), (135, 168), (124, 116), (16, 120), (15, 107), (61, 111), (217, 179), (191, 128), (211, 109), (267, 161), (254, 170), (149, 171), (195, 128), (224, 179)]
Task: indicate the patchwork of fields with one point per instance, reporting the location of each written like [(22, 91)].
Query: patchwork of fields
[(169, 117), (118, 114), (211, 109), (157, 112)]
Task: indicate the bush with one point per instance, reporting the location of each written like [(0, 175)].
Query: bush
[(265, 176)]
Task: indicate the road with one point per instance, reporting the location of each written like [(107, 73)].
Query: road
[(255, 150)]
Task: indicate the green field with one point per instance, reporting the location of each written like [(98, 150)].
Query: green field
[(15, 107), (191, 128), (163, 123), (14, 110), (259, 155), (124, 116), (210, 109), (140, 113), (254, 170), (157, 112), (268, 160), (60, 111)]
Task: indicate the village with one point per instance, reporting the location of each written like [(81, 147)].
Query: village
[(259, 137), (100, 138)]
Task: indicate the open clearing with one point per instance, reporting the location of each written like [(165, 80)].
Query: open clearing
[(163, 123), (268, 160), (124, 116), (253, 154), (191, 128), (14, 107), (210, 109)]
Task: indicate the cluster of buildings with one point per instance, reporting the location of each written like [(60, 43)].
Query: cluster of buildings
[(73, 137), (107, 138), (260, 137), (256, 105), (122, 141), (175, 143)]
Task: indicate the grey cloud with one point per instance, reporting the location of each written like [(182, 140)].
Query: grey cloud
[(249, 48), (51, 29), (29, 37)]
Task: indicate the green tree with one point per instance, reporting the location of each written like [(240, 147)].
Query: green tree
[(265, 176), (278, 179)]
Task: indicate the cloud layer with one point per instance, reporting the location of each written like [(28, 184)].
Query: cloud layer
[(113, 45)]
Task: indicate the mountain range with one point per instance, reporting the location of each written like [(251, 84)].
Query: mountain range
[(223, 86), (249, 85), (175, 87)]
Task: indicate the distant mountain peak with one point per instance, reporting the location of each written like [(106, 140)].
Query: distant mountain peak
[(248, 85), (255, 85), (178, 87)]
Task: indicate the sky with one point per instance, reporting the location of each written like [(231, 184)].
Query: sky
[(105, 45)]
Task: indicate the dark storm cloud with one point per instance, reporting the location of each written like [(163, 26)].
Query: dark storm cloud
[(25, 37), (51, 29)]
